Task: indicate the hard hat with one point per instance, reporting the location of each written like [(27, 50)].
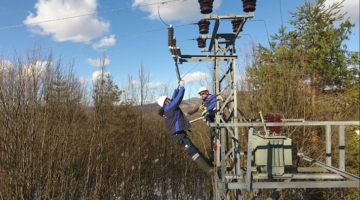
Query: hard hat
[(161, 100), (202, 89)]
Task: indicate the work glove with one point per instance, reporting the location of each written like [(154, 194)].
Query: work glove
[(203, 114), (182, 83), (201, 107)]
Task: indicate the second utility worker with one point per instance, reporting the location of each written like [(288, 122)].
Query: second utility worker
[(177, 125), (208, 105)]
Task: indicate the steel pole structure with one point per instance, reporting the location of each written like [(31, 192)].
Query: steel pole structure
[(342, 147), (236, 145), (328, 144)]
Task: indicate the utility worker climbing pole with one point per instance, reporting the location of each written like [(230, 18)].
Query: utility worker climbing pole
[(208, 105), (177, 125)]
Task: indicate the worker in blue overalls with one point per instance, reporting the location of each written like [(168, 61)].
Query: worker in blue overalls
[(208, 105), (177, 125)]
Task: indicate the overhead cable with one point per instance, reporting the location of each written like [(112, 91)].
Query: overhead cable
[(282, 22), (89, 14), (160, 16), (196, 64), (88, 41), (267, 33)]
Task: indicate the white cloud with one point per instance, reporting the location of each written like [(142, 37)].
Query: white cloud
[(106, 41), (84, 80), (98, 62), (349, 6), (153, 85), (35, 68), (150, 85), (75, 29), (133, 82), (5, 63), (195, 77), (97, 75), (182, 10), (6, 66)]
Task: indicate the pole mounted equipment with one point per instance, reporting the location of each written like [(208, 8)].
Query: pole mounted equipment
[(204, 26), (174, 41), (201, 42), (236, 23), (170, 35), (206, 6), (249, 5), (173, 50)]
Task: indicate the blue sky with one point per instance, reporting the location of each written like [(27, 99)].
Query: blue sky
[(157, 59)]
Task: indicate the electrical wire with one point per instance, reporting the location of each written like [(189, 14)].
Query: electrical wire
[(119, 50), (190, 70), (160, 16), (196, 64), (90, 14), (282, 22), (88, 41), (267, 32)]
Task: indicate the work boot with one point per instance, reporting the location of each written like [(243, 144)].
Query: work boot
[(204, 164)]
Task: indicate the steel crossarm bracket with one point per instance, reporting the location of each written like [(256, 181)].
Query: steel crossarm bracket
[(229, 152), (197, 60), (210, 56), (300, 184), (306, 123), (225, 35), (228, 128), (333, 169), (216, 27), (230, 16), (299, 176), (305, 184), (205, 58), (225, 74), (219, 36), (226, 102)]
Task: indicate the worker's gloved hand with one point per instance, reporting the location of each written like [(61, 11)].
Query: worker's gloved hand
[(201, 107), (203, 114), (182, 83)]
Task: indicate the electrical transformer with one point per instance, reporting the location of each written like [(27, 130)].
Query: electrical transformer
[(272, 153)]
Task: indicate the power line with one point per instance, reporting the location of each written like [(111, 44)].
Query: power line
[(87, 41), (119, 50), (267, 32), (89, 14), (160, 16), (282, 22)]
